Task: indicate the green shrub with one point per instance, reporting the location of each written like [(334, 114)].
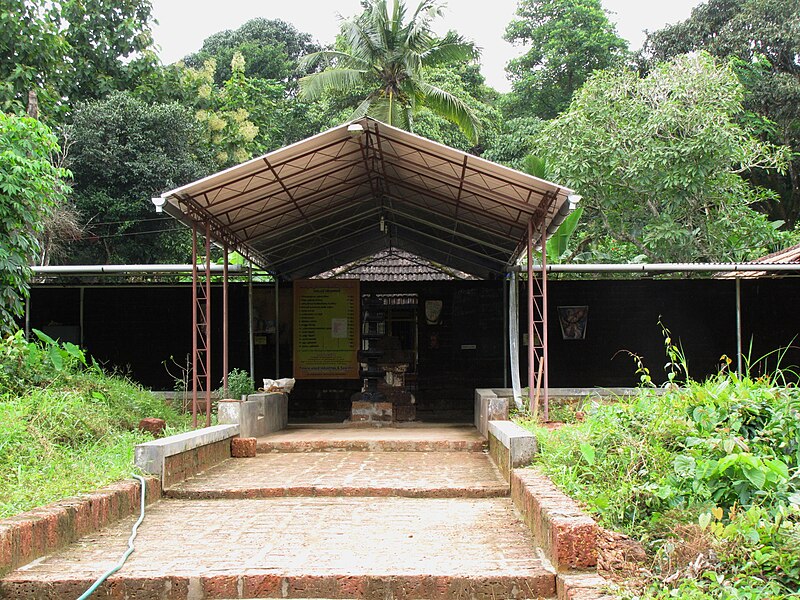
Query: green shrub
[(722, 456)]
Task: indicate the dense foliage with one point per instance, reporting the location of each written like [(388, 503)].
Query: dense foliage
[(708, 476), (30, 187), (66, 426), (123, 152), (763, 39), (567, 41), (659, 159)]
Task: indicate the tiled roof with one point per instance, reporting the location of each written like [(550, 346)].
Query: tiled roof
[(394, 265), (790, 255)]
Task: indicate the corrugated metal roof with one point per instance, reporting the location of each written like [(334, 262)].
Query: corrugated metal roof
[(343, 195), (394, 265)]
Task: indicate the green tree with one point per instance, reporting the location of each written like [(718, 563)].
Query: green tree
[(569, 40), (514, 141), (30, 185), (60, 52), (228, 113), (272, 49), (658, 162), (126, 151), (32, 50), (764, 38), (110, 46), (386, 55), (464, 81)]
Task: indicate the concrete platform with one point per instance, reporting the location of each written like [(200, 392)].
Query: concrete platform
[(304, 548), (413, 437), (407, 474)]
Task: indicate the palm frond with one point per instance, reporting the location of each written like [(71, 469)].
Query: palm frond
[(360, 41), (451, 108), (313, 86), (332, 58), (362, 110), (451, 48)]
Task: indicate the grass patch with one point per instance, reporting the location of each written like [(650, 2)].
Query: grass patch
[(706, 476), (66, 426)]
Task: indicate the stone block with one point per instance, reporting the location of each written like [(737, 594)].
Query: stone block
[(243, 447), (153, 426), (510, 446)]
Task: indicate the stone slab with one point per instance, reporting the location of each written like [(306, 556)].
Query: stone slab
[(511, 446), (406, 474), (491, 405), (149, 457), (305, 548), (258, 415)]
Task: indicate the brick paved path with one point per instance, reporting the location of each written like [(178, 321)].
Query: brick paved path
[(410, 474), (448, 541)]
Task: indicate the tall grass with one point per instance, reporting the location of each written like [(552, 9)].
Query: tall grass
[(66, 426)]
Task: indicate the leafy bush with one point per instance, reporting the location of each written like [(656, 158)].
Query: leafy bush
[(239, 384), (65, 426), (722, 457)]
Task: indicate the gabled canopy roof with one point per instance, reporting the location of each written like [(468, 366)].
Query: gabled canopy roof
[(350, 192)]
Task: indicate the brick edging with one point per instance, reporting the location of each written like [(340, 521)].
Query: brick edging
[(566, 534), (30, 535)]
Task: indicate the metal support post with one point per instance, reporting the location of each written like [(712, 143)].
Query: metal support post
[(208, 324), (277, 330), (81, 314), (543, 291), (505, 331), (533, 384), (225, 313), (195, 376), (739, 325), (250, 324)]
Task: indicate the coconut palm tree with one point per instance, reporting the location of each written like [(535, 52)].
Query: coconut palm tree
[(387, 56)]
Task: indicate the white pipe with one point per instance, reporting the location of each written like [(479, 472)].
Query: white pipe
[(121, 269), (666, 268)]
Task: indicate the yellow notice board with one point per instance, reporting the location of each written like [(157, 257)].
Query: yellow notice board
[(327, 316)]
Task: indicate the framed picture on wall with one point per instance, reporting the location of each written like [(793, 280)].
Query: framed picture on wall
[(573, 321)]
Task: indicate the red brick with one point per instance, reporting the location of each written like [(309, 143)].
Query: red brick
[(221, 586), (153, 426), (262, 586), (243, 447)]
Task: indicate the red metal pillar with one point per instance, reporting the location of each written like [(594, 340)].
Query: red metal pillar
[(543, 290), (208, 324), (225, 322), (533, 384), (195, 378)]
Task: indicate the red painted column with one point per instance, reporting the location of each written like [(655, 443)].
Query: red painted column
[(531, 322), (544, 322), (195, 376)]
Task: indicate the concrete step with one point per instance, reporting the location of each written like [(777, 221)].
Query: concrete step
[(441, 438), (373, 548), (404, 474)]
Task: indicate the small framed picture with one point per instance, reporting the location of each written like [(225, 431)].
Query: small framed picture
[(573, 321)]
